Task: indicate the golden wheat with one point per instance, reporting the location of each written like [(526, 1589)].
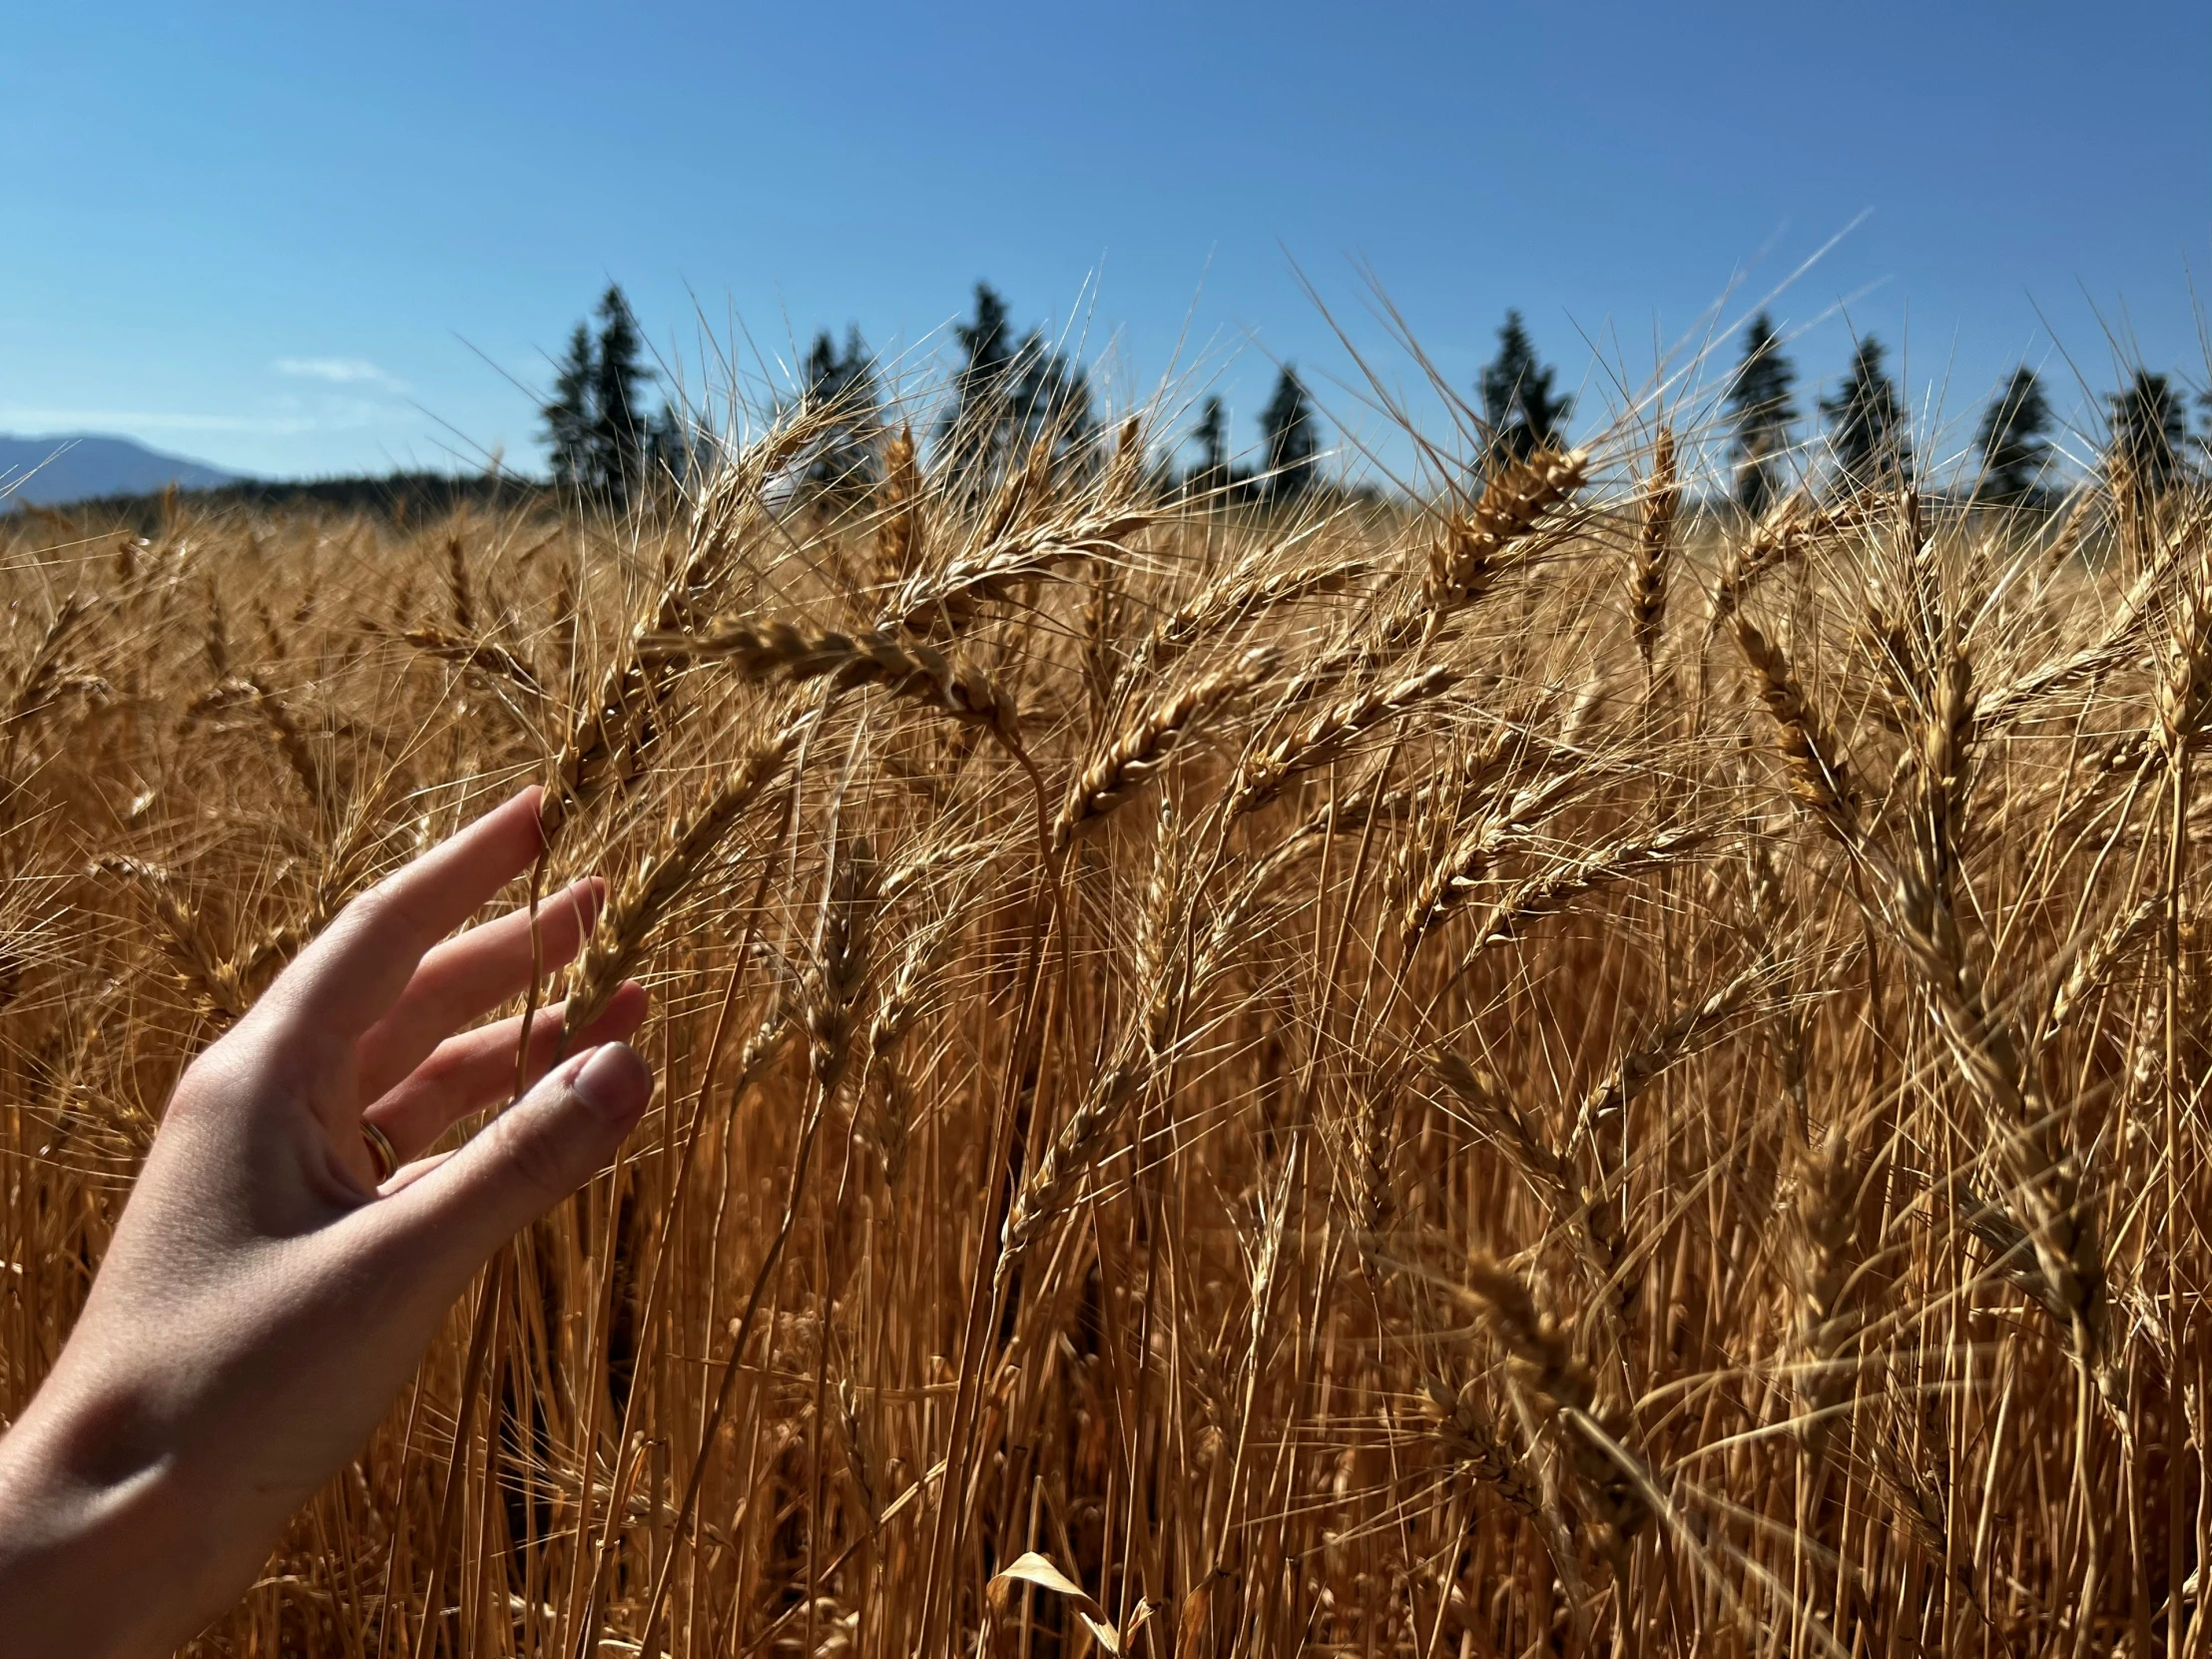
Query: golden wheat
[(1466, 1168)]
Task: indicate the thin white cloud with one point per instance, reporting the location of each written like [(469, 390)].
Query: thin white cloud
[(342, 371)]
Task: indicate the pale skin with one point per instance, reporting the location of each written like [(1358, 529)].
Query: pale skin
[(264, 1298)]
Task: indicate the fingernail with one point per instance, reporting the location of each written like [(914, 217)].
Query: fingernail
[(613, 1081)]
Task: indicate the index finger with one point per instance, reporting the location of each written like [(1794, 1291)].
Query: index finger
[(343, 982)]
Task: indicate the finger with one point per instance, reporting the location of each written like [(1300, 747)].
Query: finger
[(467, 1073), (446, 1221), (356, 968), (466, 977)]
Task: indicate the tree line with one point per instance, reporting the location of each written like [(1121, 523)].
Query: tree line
[(1015, 390), (1871, 443)]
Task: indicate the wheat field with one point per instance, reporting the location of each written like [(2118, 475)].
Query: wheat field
[(1550, 1070)]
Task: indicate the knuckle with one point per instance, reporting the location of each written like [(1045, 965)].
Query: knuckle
[(381, 908), (449, 1072), (389, 912)]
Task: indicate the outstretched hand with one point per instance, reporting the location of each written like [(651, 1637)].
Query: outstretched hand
[(270, 1286)]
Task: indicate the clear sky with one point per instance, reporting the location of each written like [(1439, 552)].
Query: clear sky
[(304, 238)]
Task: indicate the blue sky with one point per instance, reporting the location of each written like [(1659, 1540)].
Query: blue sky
[(312, 239)]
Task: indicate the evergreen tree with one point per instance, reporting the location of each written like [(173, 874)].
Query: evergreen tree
[(568, 415), (2014, 452), (1009, 393), (848, 459), (1293, 436), (677, 448), (1866, 423), (975, 432), (987, 342), (1519, 407), (2149, 428), (617, 430), (596, 423), (1761, 413), (1210, 434), (1051, 403)]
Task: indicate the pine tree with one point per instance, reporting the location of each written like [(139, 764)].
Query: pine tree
[(848, 459), (1291, 434), (1210, 434), (1010, 393), (600, 435), (2149, 427), (1761, 413), (1052, 403), (568, 415), (1519, 407), (618, 429), (2014, 452), (677, 448), (974, 432), (1866, 423)]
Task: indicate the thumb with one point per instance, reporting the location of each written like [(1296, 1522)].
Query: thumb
[(545, 1146)]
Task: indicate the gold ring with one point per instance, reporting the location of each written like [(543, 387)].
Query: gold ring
[(381, 1152)]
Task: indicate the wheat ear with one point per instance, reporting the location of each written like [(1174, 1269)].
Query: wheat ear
[(2112, 648), (2185, 688), (622, 934), (1555, 891), (2043, 1182), (35, 686), (902, 666), (840, 965), (1779, 537), (948, 598), (1462, 1432), (1142, 747), (460, 588), (1647, 588), (1544, 1363), (1470, 551), (897, 1008), (1244, 593), (1820, 778), (2095, 963), (1447, 882), (1818, 1260), (898, 532), (1322, 738), (473, 656), (192, 947)]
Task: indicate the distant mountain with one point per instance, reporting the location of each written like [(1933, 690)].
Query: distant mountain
[(79, 466)]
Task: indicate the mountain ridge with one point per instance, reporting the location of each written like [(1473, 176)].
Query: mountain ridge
[(54, 469)]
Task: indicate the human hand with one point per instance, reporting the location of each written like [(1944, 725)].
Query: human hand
[(265, 1296)]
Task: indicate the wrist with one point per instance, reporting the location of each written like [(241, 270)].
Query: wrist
[(91, 1564)]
